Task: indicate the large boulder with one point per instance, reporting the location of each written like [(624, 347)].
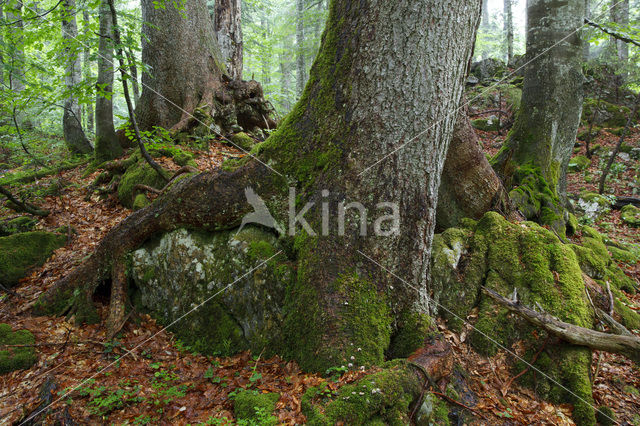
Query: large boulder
[(242, 297), (18, 355), (488, 68), (20, 253)]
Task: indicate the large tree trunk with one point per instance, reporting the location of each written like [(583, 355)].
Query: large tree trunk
[(469, 186), (74, 136), (620, 15), (341, 303), (228, 28), (86, 66), (301, 67), (545, 130), (15, 50), (186, 74), (107, 144)]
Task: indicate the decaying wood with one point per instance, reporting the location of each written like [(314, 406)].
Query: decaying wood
[(23, 206), (623, 201), (628, 346)]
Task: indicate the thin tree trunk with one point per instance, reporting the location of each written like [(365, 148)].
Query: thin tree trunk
[(228, 28), (620, 15), (87, 71), (301, 67), (266, 57), (285, 72), (133, 72), (586, 45), (15, 41), (74, 136), (2, 44), (107, 144), (508, 30)]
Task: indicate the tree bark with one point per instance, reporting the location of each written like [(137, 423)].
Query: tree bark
[(107, 144), (187, 72), (14, 37), (469, 187), (546, 126), (508, 30), (300, 62), (228, 28), (74, 136), (620, 15), (324, 150), (86, 65)]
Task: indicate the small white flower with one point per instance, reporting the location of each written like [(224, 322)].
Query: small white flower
[(350, 365)]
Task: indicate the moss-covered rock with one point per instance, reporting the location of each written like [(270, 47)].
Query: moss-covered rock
[(630, 215), (15, 358), (380, 398), (606, 416), (183, 269), (184, 159), (579, 163), (141, 201), (595, 131), (243, 140), (139, 173), (19, 224), (531, 261), (19, 253), (592, 205), (608, 114), (486, 124), (624, 256), (249, 405)]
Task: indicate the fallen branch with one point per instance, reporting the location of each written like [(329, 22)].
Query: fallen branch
[(628, 346), (623, 201), (24, 206)]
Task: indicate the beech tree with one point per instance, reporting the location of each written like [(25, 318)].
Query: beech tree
[(107, 144), (536, 154), (228, 29), (411, 57), (74, 136)]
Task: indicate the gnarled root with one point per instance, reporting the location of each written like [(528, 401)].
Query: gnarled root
[(209, 201)]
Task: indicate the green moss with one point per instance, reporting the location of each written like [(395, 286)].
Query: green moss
[(609, 115), (628, 317), (74, 303), (141, 201), (486, 124), (138, 173), (631, 390), (184, 159), (624, 256), (19, 224), (243, 141), (249, 405), (630, 215), (579, 163), (384, 396), (412, 330), (606, 416), (19, 253), (16, 358)]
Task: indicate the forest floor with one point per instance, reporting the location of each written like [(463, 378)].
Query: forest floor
[(164, 382)]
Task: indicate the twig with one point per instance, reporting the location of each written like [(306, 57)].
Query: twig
[(24, 206), (612, 33), (523, 372), (460, 404)]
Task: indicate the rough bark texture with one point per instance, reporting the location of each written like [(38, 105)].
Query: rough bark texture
[(228, 28), (107, 144), (620, 15), (185, 87), (470, 186), (341, 304), (74, 136), (545, 129)]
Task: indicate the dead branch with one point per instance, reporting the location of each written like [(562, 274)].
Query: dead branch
[(23, 206), (612, 33), (628, 346)]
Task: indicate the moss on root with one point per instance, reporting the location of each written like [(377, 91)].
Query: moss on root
[(385, 397), (19, 253), (16, 358), (139, 173), (411, 331), (532, 261), (251, 406)]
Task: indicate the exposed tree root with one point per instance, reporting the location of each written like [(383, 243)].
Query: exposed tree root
[(210, 201), (628, 346)]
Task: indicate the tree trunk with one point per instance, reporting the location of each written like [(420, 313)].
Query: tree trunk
[(86, 65), (620, 15), (545, 130), (341, 306), (469, 186), (133, 72), (508, 30), (228, 28), (107, 144), (586, 45), (186, 73), (15, 50), (74, 136), (266, 57), (285, 76), (301, 67)]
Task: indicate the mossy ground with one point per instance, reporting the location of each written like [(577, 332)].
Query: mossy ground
[(631, 215), (249, 405), (15, 358), (139, 173), (19, 253)]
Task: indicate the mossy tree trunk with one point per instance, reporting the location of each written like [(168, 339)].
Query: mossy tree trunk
[(187, 85), (107, 145), (546, 125), (74, 136), (385, 72)]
